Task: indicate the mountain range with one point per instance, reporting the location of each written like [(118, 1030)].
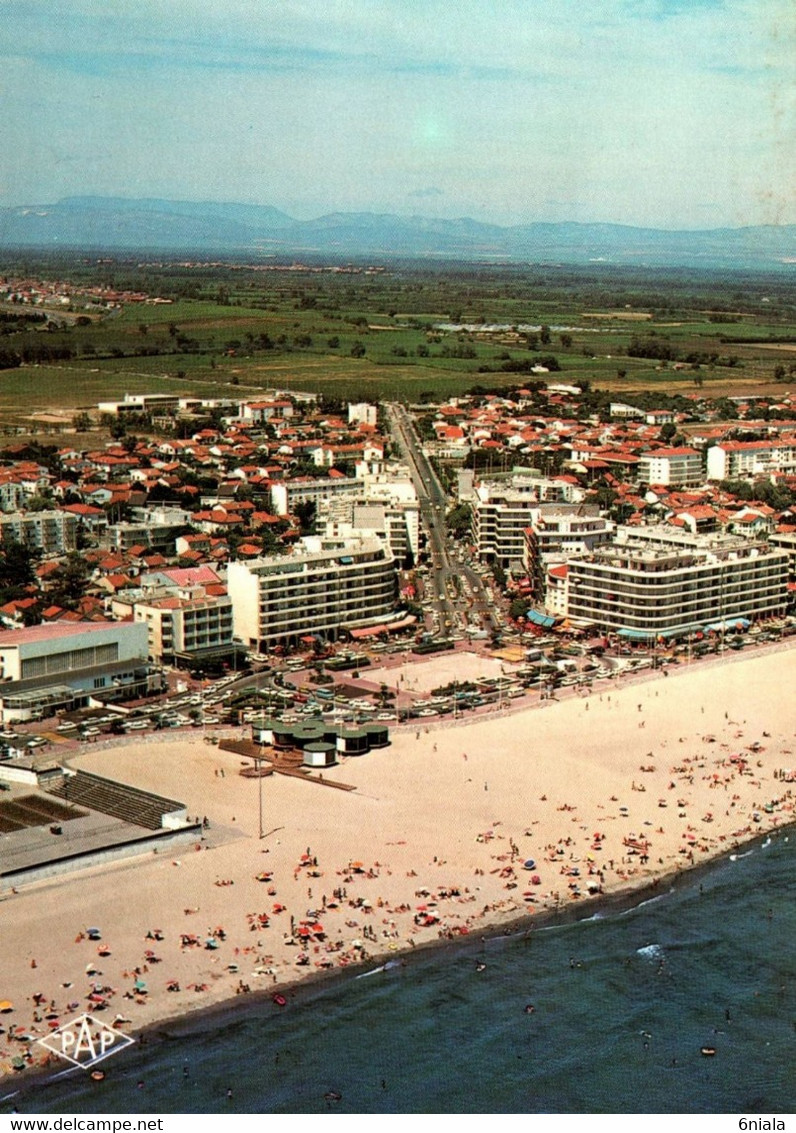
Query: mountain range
[(261, 231)]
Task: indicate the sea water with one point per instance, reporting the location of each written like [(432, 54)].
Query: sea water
[(608, 1014)]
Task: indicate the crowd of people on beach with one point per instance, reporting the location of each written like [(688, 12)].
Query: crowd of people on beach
[(314, 913)]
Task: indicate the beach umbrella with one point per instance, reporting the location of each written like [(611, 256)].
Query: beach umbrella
[(6, 1005), (529, 864)]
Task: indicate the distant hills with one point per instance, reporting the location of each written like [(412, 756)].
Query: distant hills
[(207, 228)]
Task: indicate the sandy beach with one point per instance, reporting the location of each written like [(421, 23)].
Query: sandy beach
[(603, 792)]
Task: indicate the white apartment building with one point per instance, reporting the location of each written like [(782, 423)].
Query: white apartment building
[(52, 532), (12, 495), (185, 624), (342, 505), (157, 528), (258, 412), (556, 598), (645, 589), (324, 586), (397, 524), (63, 663), (785, 541), (285, 494), (732, 460), (622, 410), (681, 467), (362, 413), (386, 504), (503, 510), (558, 531)]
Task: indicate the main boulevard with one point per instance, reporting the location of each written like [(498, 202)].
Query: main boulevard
[(449, 579)]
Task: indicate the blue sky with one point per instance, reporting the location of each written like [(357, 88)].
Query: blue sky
[(670, 113)]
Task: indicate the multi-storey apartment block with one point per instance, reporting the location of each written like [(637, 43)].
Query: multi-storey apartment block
[(681, 467), (503, 510), (52, 532), (286, 494), (675, 587), (739, 459), (186, 625), (558, 531), (324, 586)]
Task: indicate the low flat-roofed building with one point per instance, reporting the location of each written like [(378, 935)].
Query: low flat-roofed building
[(135, 403), (94, 659)]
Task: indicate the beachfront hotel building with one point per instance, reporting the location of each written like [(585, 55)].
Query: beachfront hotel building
[(63, 664), (652, 582), (325, 585)]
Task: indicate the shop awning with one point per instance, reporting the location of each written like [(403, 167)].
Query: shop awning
[(657, 635), (538, 619), (391, 627), (728, 623)]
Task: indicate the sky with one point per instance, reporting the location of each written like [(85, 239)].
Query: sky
[(661, 113)]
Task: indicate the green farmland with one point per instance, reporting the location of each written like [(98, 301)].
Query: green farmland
[(231, 328)]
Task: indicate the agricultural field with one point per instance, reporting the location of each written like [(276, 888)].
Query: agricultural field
[(411, 332)]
